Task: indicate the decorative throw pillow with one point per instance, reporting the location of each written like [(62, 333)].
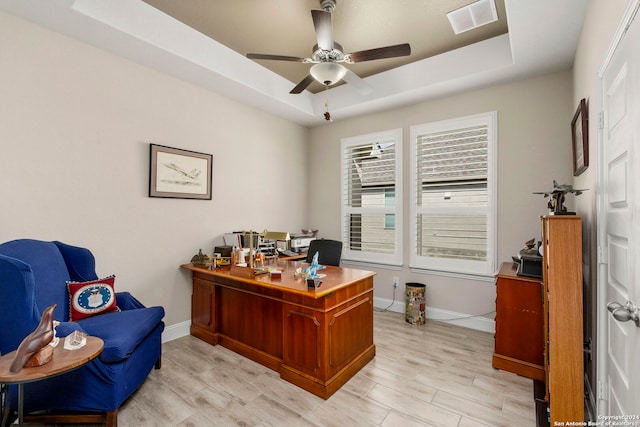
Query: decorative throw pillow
[(87, 299)]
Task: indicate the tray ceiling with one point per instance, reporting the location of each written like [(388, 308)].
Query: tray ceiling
[(285, 27)]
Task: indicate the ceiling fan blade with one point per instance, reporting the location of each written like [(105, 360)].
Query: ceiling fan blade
[(380, 53), (274, 57), (324, 28), (302, 85), (358, 83)]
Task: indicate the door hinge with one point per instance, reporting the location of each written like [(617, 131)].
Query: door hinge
[(603, 255), (603, 390), (600, 119)]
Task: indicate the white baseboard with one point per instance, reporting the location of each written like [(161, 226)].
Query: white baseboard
[(479, 323), (176, 331), (387, 304)]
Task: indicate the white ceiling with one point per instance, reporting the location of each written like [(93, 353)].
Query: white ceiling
[(542, 37)]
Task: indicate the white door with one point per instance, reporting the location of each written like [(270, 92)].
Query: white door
[(619, 222)]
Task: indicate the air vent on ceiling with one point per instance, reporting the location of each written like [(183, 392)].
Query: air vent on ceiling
[(476, 14)]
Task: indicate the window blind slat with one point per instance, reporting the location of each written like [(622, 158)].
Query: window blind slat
[(369, 195), (452, 171)]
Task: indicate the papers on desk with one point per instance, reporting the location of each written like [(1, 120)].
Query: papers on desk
[(232, 239)]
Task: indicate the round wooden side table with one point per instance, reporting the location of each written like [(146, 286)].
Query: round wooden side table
[(62, 362)]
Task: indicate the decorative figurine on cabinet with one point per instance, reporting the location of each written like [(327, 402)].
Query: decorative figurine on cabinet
[(556, 202)]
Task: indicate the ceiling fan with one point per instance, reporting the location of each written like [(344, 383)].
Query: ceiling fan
[(327, 54)]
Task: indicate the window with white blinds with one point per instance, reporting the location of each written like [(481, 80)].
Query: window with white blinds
[(372, 197), (453, 195)]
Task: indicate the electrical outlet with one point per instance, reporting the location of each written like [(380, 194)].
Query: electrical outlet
[(396, 280)]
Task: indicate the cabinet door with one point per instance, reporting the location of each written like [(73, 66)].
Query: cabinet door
[(203, 305), (519, 320), (304, 340)]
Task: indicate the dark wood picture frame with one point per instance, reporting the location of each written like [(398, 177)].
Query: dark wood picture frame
[(179, 174), (580, 138)]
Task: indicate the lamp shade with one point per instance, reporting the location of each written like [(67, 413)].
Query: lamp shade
[(276, 235), (328, 73)]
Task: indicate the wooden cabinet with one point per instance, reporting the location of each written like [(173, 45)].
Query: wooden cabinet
[(563, 337), (519, 324)]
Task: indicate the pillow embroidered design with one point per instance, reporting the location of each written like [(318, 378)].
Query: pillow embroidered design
[(88, 299)]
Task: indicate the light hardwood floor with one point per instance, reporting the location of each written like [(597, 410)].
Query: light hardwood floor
[(427, 375)]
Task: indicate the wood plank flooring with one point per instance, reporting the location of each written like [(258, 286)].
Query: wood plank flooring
[(423, 375)]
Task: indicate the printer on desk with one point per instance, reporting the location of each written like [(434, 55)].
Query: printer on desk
[(300, 243)]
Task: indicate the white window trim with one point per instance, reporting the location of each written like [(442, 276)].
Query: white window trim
[(369, 257), (472, 269)]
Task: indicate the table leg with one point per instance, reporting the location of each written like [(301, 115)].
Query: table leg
[(20, 403), (5, 405), (4, 400)]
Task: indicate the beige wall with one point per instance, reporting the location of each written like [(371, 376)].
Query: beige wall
[(76, 123), (534, 147)]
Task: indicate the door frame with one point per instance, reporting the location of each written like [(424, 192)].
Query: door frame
[(602, 313)]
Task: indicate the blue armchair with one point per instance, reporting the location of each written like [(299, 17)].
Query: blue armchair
[(33, 276)]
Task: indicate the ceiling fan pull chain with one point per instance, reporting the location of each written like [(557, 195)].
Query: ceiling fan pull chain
[(327, 115)]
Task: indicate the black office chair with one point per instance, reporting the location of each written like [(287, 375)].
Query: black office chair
[(329, 251)]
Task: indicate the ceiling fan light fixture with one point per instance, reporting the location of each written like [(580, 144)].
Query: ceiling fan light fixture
[(328, 73)]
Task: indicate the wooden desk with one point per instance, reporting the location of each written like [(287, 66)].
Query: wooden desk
[(62, 362), (315, 339)]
